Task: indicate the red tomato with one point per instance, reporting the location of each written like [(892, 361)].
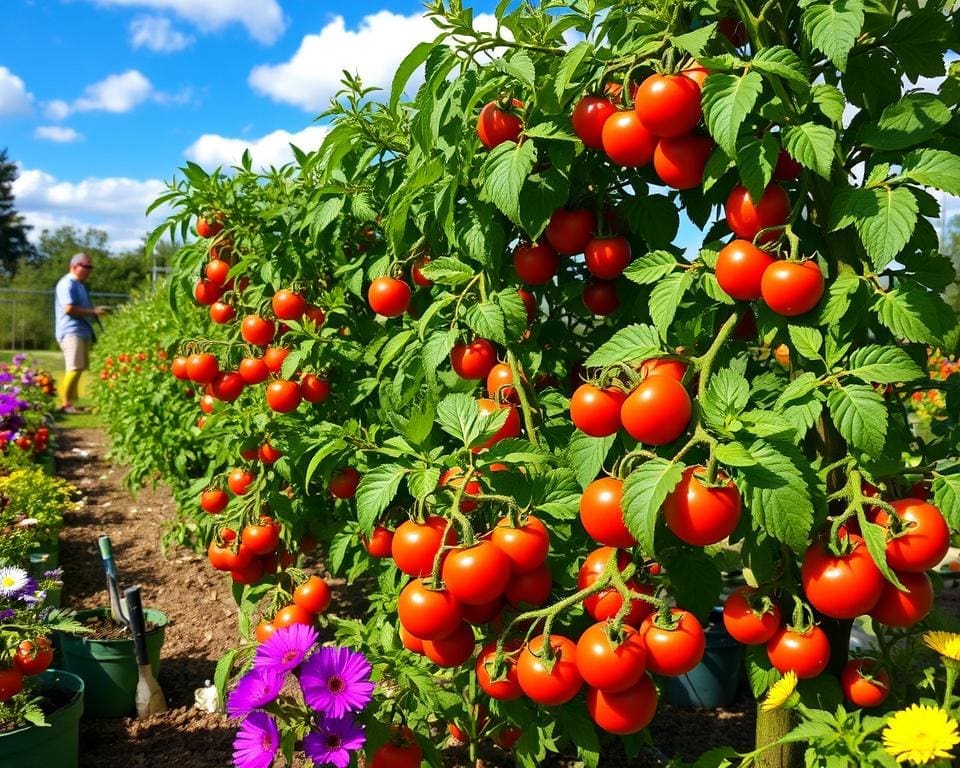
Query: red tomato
[(239, 480), (273, 358), (569, 231), (746, 219), (33, 657), (681, 161), (344, 483), (600, 297), (221, 313), (202, 368), (787, 169), (673, 652), (257, 330), (701, 515), (904, 609), (529, 304), (178, 367), (792, 288), (11, 683), (264, 631), (261, 537), (549, 687), (607, 664), (410, 642), (428, 613), (389, 296), (209, 226), (283, 395), (806, 653), (589, 116), (658, 411), (500, 382), (227, 386), (535, 263), (841, 586), (510, 428), (525, 546), (496, 125), (696, 73), (312, 595), (206, 293), (863, 684), (483, 614), (253, 370), (452, 650), (663, 366), (624, 712), (596, 412), (417, 276), (745, 618), (314, 389), (734, 30), (476, 575), (607, 257), (627, 141), (292, 614), (251, 573), (504, 688), (213, 501), (288, 305), (402, 752), (601, 513), (924, 539), (474, 360), (530, 589), (379, 543), (740, 267), (450, 477), (415, 545), (668, 105)]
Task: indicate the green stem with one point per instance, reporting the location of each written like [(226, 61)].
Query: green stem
[(520, 386), (704, 363)]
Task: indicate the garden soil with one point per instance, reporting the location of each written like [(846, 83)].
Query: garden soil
[(203, 626)]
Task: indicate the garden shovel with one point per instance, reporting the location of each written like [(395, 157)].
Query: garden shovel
[(113, 589), (149, 697)]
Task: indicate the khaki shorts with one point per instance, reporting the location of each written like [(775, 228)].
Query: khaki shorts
[(76, 353)]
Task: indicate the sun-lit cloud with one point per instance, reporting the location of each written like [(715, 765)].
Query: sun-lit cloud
[(263, 19), (115, 205), (116, 93), (156, 33), (211, 151), (373, 49), (14, 97), (57, 133)]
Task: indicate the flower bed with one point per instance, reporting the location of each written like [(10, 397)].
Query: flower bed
[(26, 405)]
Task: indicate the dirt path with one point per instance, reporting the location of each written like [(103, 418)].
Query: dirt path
[(182, 585)]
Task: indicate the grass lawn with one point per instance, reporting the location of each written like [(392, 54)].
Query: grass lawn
[(52, 360)]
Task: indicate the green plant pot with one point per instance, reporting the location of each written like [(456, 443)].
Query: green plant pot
[(109, 667), (56, 745)]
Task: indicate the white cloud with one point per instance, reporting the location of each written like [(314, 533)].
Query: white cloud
[(157, 34), (115, 205), (116, 93), (373, 50), (56, 133), (14, 98), (211, 151), (263, 19)]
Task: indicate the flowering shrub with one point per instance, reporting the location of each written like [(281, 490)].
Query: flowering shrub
[(32, 504), (25, 651), (930, 404), (26, 402), (316, 714)]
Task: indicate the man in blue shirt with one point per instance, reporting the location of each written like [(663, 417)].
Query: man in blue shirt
[(75, 313)]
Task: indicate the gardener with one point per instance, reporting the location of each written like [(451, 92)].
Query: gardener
[(74, 312)]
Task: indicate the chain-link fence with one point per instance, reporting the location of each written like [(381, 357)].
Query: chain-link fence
[(27, 317)]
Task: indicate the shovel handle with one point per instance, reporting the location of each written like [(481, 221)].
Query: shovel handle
[(137, 623), (106, 554)]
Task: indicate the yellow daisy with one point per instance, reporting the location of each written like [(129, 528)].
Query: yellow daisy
[(920, 734), (947, 644), (781, 693)]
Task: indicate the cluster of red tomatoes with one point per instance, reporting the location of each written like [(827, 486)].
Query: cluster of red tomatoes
[(127, 363), (30, 658), (846, 585)]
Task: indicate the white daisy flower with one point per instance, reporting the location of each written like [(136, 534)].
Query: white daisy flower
[(12, 580)]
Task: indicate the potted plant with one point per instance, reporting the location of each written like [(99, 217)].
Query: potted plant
[(40, 708)]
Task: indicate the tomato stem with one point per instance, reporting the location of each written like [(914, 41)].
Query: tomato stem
[(520, 385)]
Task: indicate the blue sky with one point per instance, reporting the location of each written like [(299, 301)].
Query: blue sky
[(102, 100)]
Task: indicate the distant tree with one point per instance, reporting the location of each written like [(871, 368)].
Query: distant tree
[(14, 246), (952, 249)]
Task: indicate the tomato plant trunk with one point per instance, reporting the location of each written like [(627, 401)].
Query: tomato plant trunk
[(772, 726)]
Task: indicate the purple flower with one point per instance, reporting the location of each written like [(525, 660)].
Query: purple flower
[(286, 648), (7, 613), (18, 359), (333, 740), (336, 681), (256, 689), (257, 742)]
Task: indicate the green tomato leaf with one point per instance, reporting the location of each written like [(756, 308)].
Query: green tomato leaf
[(504, 172), (650, 268), (643, 492), (447, 271), (946, 498), (782, 62), (908, 122), (883, 365), (933, 168), (586, 455), (807, 341), (727, 101), (915, 314), (860, 416), (376, 491), (633, 343), (665, 299), (812, 146), (885, 219), (833, 27)]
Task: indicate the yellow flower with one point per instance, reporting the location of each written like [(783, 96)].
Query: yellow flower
[(947, 644), (920, 734), (780, 693)]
